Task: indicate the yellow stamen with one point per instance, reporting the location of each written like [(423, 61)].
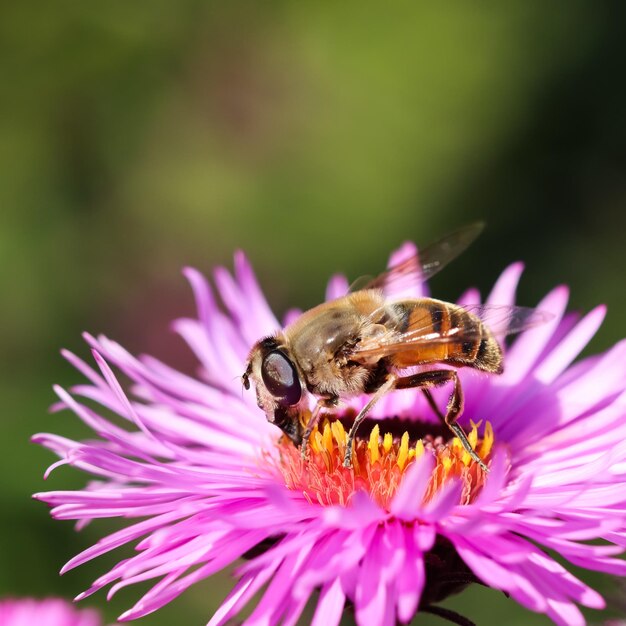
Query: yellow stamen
[(487, 442), (387, 442), (305, 418), (327, 438), (373, 444), (339, 433), (313, 440), (356, 462), (318, 441), (419, 449), (473, 436), (403, 452)]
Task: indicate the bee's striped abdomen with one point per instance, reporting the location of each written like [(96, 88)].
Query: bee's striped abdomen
[(446, 333)]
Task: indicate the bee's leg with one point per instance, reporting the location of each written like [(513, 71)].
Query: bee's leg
[(425, 380), (378, 394), (315, 416), (323, 403), (433, 404)]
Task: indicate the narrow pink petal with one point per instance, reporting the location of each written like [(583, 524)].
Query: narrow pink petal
[(497, 477), (408, 499), (330, 605), (126, 406), (84, 369), (499, 577), (615, 567), (360, 512), (570, 347), (424, 536), (503, 292), (524, 352), (205, 301), (291, 316), (293, 612), (257, 302), (565, 613), (411, 285), (158, 597), (277, 594), (238, 597), (126, 535), (444, 501), (579, 435), (340, 556), (372, 598), (410, 581), (604, 381), (337, 287), (251, 328), (565, 583), (471, 297)]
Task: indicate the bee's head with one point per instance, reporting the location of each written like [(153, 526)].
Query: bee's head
[(277, 383)]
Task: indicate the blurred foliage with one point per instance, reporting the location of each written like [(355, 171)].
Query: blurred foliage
[(140, 137)]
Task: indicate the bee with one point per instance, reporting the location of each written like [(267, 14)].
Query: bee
[(365, 341)]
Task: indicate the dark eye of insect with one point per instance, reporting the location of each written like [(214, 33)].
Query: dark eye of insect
[(280, 377)]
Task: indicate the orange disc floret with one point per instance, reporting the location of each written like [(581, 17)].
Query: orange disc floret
[(378, 464)]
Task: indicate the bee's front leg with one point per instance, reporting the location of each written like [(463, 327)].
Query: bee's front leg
[(322, 403), (388, 385)]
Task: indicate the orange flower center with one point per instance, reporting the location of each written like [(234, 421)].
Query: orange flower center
[(379, 463)]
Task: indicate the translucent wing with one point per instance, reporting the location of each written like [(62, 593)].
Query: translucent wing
[(427, 262), (500, 320), (504, 320)]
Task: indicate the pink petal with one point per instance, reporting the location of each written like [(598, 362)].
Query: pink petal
[(330, 605)]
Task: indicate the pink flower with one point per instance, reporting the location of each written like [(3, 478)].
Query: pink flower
[(47, 612), (211, 481)]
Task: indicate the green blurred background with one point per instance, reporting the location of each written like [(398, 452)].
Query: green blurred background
[(136, 138)]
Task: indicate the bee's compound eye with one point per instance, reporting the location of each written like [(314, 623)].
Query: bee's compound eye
[(280, 377)]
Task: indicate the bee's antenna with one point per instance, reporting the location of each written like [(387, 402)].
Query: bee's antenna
[(245, 380)]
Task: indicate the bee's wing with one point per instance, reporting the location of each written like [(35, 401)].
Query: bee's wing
[(504, 320), (500, 320), (427, 262)]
